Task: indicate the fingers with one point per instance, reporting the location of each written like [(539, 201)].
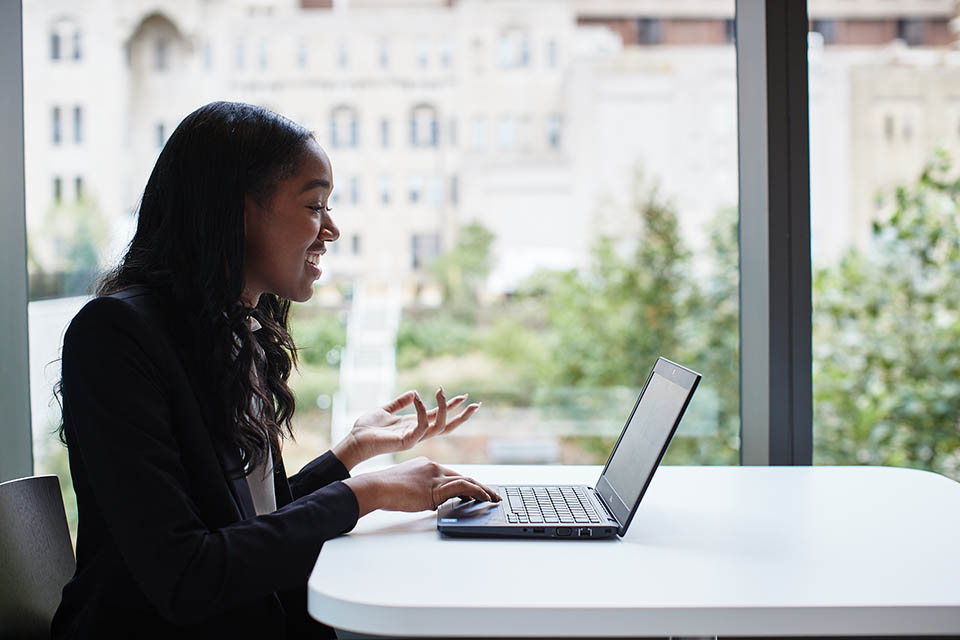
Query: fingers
[(401, 402), (450, 475), (451, 404), (423, 423), (462, 487), (465, 415)]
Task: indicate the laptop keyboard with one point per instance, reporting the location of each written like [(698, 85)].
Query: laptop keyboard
[(549, 505)]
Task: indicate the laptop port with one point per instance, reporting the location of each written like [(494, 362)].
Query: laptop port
[(563, 531), (585, 532), (538, 530)]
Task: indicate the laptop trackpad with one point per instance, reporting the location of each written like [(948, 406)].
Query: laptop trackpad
[(476, 512)]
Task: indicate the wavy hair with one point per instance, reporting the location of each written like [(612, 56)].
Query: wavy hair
[(189, 247)]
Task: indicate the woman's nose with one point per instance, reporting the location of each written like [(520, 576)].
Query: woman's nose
[(329, 232)]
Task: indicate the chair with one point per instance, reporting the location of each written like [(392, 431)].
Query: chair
[(36, 556)]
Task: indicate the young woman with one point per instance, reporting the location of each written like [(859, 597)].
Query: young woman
[(175, 401)]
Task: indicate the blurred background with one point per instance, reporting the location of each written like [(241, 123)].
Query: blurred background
[(536, 199)]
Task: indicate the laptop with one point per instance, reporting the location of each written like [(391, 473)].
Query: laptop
[(578, 511)]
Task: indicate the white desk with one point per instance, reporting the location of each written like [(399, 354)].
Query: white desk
[(712, 551)]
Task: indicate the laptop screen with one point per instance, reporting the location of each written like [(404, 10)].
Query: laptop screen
[(645, 438)]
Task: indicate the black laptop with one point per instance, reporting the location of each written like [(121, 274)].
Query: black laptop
[(578, 511)]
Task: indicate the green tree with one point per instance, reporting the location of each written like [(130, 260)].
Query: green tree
[(887, 337), (463, 271)]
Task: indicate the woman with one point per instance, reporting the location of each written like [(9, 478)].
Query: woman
[(175, 401)]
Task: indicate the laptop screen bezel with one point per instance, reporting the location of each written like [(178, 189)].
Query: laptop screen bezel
[(679, 375)]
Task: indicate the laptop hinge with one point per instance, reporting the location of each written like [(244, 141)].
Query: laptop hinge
[(605, 506)]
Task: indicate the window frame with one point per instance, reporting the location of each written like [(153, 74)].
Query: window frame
[(773, 129)]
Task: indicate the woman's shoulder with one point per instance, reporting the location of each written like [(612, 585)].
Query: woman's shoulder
[(134, 311)]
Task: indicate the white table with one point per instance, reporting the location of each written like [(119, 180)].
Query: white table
[(735, 551)]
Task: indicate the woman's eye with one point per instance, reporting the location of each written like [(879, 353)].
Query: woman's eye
[(320, 208)]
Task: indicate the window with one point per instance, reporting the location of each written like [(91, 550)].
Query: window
[(730, 31), (423, 126), (160, 136), (302, 54), (553, 131), (355, 244), (384, 133), (385, 189), (478, 133), (343, 55), (161, 54), (506, 133), (415, 188), (56, 132), (889, 127), (552, 53), (263, 57), (911, 31), (452, 135), (354, 190), (435, 193), (239, 55), (827, 29), (76, 44), (78, 125), (649, 31), (78, 188), (513, 48), (384, 56), (65, 32), (57, 189), (446, 54), (343, 128), (54, 45), (423, 53), (453, 189), (424, 248)]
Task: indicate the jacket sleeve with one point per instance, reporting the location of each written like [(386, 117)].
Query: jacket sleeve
[(316, 474), (119, 420)]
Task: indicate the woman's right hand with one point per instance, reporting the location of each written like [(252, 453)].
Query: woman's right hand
[(414, 485)]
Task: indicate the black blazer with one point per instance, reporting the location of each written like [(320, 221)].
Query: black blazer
[(168, 543)]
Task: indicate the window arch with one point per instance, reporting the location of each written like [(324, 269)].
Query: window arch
[(343, 127), (424, 127), (65, 39)]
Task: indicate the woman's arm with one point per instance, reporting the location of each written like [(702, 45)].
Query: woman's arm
[(120, 422)]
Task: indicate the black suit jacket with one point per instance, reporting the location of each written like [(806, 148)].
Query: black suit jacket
[(168, 542)]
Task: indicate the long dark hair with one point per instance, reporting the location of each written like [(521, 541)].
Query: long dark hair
[(189, 246)]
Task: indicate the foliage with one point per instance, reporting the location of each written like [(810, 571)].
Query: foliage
[(428, 336), (320, 337), (887, 337), (463, 271)]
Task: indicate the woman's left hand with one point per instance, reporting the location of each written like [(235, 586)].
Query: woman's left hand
[(382, 431)]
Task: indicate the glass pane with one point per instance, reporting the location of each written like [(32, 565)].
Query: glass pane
[(584, 223), (885, 140)]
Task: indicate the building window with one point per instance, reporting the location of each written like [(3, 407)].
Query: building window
[(343, 55), (54, 45), (730, 30), (446, 54), (78, 188), (385, 189), (160, 135), (649, 31), (355, 244), (343, 127), (552, 54), (454, 186), (207, 56), (57, 133), (415, 188), (263, 56), (506, 133), (911, 31), (240, 55), (452, 137), (354, 189), (78, 125), (423, 54), (76, 44), (424, 247), (384, 133), (384, 54), (888, 127), (57, 189), (827, 29), (513, 48), (478, 133), (907, 128), (161, 54), (424, 131), (435, 191), (553, 131), (302, 55)]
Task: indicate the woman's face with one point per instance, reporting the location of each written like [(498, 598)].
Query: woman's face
[(285, 238)]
